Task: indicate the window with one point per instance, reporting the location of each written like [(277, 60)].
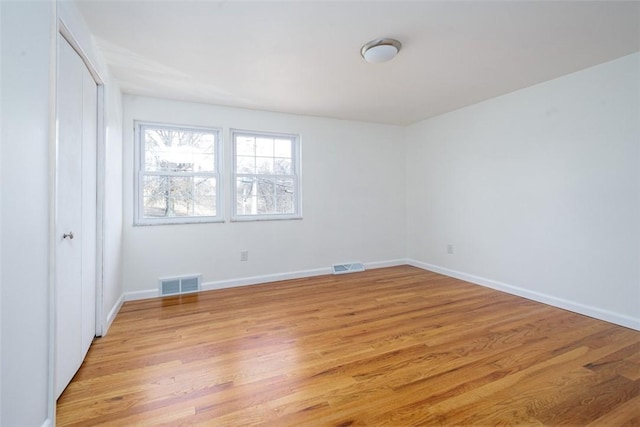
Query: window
[(177, 174), (266, 175)]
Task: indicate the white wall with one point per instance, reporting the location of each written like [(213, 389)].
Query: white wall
[(27, 32), (538, 191), (113, 291), (352, 190)]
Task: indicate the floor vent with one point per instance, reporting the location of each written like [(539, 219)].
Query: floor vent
[(179, 285), (353, 267)]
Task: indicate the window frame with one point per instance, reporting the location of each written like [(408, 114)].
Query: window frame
[(296, 160), (140, 173)]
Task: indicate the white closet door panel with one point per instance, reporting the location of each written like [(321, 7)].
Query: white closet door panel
[(89, 202), (69, 217)]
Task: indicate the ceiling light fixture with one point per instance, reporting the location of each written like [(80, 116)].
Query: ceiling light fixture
[(380, 50)]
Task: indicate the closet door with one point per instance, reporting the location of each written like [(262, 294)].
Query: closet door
[(89, 206), (75, 264)]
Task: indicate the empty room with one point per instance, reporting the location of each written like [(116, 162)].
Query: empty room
[(319, 213)]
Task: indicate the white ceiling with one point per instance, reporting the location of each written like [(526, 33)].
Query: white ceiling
[(303, 57)]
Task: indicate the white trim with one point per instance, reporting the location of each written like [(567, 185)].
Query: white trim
[(101, 157), (265, 217), (53, 191), (181, 220), (255, 280), (383, 264), (595, 312), (47, 423), (112, 315), (64, 30), (136, 295)]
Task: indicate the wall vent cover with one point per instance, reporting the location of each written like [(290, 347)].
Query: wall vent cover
[(179, 285), (352, 267)]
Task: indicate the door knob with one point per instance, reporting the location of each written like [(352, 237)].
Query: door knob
[(68, 236)]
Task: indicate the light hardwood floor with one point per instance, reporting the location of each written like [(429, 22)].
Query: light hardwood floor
[(395, 346)]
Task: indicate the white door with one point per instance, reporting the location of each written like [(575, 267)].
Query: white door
[(89, 208), (75, 277)]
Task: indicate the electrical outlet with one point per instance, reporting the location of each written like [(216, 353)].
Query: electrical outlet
[(449, 248), (244, 255)]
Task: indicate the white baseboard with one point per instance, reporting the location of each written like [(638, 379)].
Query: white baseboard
[(245, 281), (47, 423), (112, 314), (383, 264), (595, 312), (146, 294), (266, 278), (255, 280)]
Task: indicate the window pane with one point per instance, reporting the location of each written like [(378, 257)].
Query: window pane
[(266, 193), (282, 166), (284, 196), (170, 196), (264, 165), (179, 150), (204, 200), (204, 163), (245, 164), (282, 148), (259, 196), (264, 147), (155, 202), (181, 207), (167, 196), (245, 196), (245, 146)]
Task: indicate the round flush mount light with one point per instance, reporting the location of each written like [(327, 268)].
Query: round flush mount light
[(380, 50)]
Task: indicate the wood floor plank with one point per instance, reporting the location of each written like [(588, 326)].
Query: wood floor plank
[(624, 415), (394, 346)]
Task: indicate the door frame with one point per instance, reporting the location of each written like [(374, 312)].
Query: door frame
[(62, 30)]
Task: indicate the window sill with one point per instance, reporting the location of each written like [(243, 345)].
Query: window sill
[(251, 218), (175, 221)]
